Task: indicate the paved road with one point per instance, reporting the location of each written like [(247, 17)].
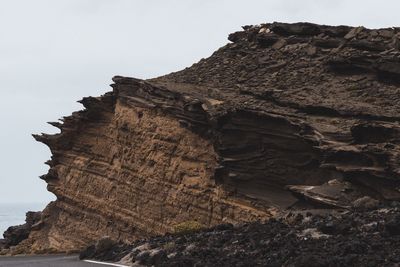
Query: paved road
[(45, 261)]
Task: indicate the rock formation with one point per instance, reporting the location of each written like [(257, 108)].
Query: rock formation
[(282, 114), (16, 234)]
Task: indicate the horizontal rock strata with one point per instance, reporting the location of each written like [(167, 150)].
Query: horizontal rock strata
[(283, 112)]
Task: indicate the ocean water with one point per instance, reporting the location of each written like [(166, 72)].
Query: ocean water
[(14, 213)]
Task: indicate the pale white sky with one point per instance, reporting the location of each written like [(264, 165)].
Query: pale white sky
[(54, 52)]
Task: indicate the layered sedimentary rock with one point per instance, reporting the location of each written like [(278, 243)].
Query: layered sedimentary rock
[(283, 112)]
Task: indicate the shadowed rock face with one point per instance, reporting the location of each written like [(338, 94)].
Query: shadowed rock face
[(285, 108)]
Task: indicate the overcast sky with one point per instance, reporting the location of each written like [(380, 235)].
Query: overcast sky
[(54, 52)]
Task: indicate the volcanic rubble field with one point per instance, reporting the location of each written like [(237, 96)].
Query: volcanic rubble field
[(351, 238)]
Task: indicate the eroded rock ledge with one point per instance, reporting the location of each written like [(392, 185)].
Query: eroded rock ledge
[(16, 234), (284, 113)]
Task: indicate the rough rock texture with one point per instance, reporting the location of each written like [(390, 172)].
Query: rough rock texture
[(284, 111), (125, 170), (296, 240), (16, 234)]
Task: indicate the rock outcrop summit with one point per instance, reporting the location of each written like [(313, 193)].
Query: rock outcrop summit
[(285, 116)]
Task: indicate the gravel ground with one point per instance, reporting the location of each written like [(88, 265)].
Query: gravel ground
[(351, 238)]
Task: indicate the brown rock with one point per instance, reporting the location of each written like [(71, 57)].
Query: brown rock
[(386, 33), (353, 33), (279, 44)]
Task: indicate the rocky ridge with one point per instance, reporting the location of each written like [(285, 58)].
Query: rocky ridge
[(286, 116)]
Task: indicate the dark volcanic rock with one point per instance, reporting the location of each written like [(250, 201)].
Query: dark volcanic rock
[(347, 240), (393, 225), (16, 234), (106, 249), (2, 244), (334, 90)]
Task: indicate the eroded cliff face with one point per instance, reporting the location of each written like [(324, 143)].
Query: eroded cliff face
[(284, 112), (126, 168)]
